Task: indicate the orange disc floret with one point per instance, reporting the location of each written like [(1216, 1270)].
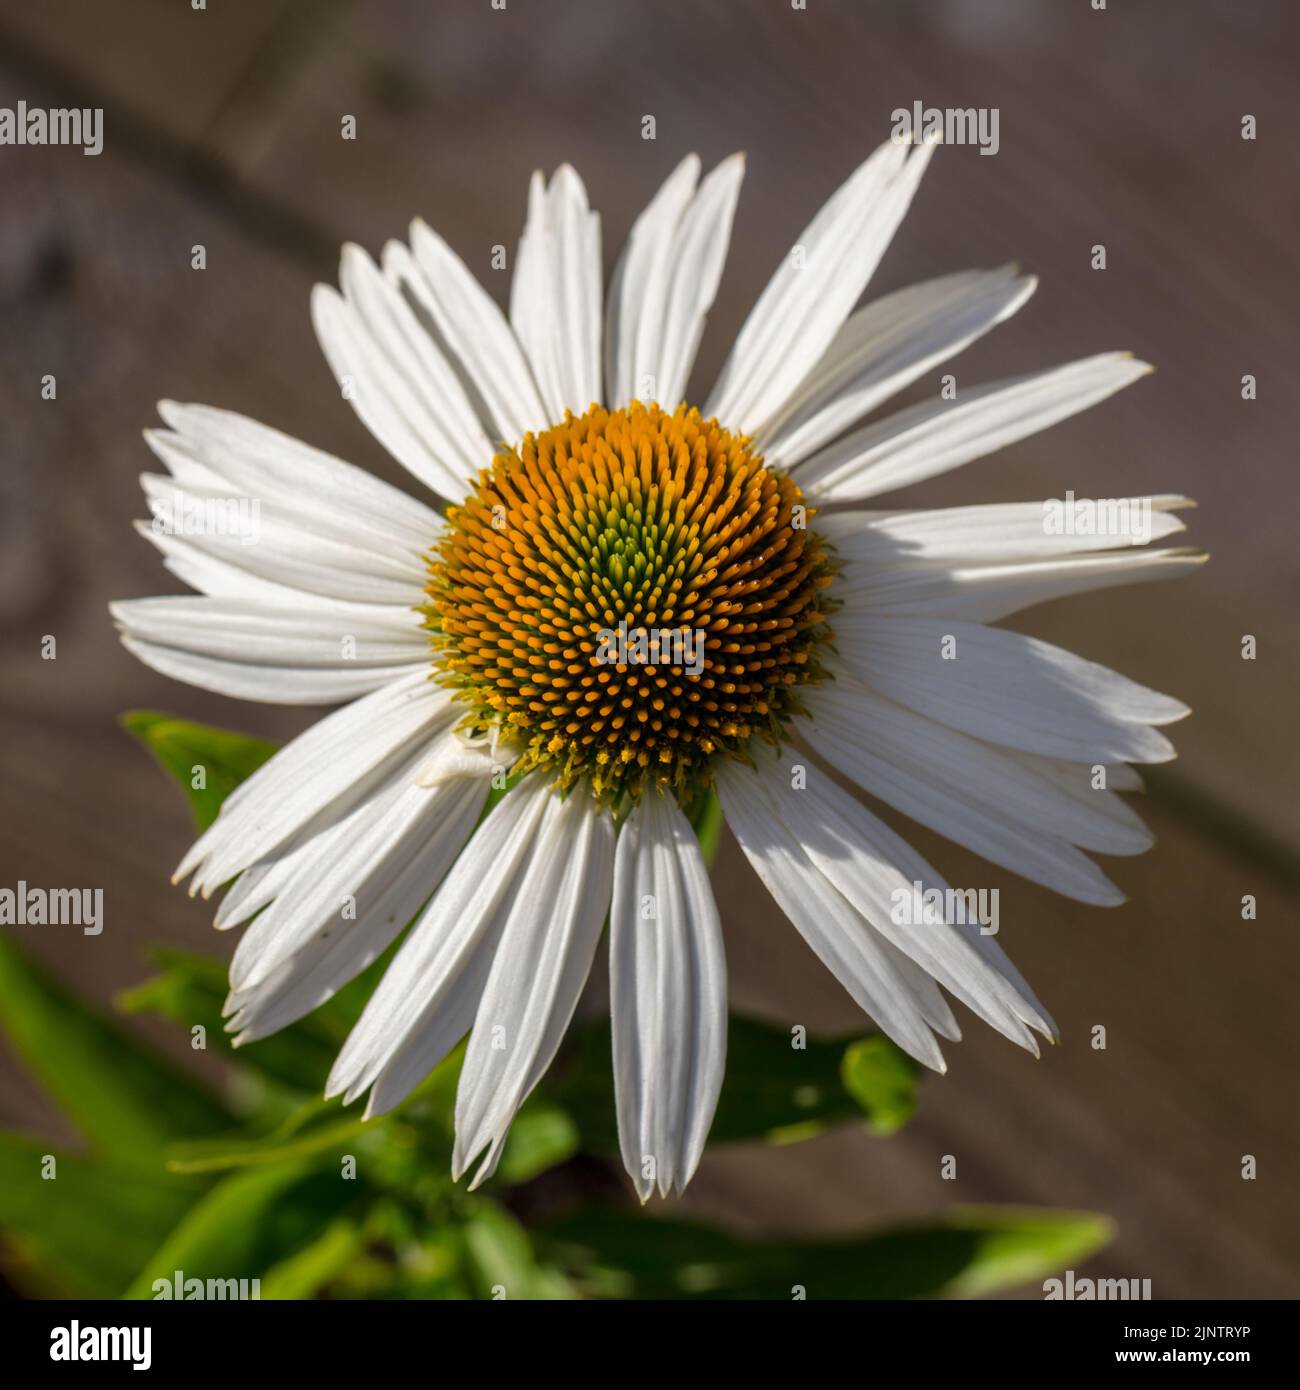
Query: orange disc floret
[(627, 596)]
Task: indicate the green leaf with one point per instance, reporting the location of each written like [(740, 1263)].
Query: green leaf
[(85, 1231), (128, 1102), (402, 1254), (431, 1266), (292, 1141), (541, 1136), (773, 1090), (1023, 1245), (182, 748), (494, 795), (967, 1252), (306, 1272), (502, 1261), (246, 1224), (191, 989), (706, 818), (882, 1079)]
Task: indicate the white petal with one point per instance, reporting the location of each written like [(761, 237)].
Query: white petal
[(417, 378), (836, 932), (454, 757), (635, 313), (426, 1001), (992, 984), (226, 576), (473, 328), (338, 759), (970, 792), (279, 547), (400, 386), (348, 868), (937, 436), (987, 534), (314, 949), (886, 346), (260, 634), (1119, 775), (666, 283), (1037, 793), (555, 297), (668, 996), (871, 867), (1080, 781), (1009, 689), (263, 881), (810, 295), (987, 593), (699, 253), (328, 838), (271, 685), (540, 967), (256, 461)]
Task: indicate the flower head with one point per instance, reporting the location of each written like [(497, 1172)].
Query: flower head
[(638, 522), (623, 603)]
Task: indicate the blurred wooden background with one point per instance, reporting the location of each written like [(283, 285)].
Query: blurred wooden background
[(1121, 126)]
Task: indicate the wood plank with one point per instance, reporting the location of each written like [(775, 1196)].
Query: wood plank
[(162, 60), (1200, 1027), (1113, 128)]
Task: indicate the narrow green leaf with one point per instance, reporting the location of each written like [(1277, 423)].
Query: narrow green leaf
[(494, 796), (84, 1231), (306, 1272), (191, 989), (503, 1263), (967, 1252), (246, 1224), (707, 821), (127, 1101), (222, 1155), (1019, 1246), (196, 753)]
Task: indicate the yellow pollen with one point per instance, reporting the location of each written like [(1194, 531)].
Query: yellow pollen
[(627, 596)]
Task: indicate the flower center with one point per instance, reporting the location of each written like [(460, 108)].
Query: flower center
[(627, 596)]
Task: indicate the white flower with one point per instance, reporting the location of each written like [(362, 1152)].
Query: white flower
[(567, 526)]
